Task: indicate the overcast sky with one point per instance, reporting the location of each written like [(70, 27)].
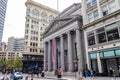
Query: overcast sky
[(15, 15)]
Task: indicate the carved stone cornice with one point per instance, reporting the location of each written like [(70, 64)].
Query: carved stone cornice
[(75, 17)]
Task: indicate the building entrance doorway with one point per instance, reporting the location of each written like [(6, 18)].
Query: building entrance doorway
[(109, 63), (113, 64)]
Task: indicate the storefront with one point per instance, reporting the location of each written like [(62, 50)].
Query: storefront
[(105, 60)]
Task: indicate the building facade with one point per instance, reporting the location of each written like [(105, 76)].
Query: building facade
[(63, 42), (3, 46), (10, 55), (15, 44), (101, 20), (3, 5), (38, 17)]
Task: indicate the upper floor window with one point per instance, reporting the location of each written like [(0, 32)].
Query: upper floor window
[(112, 6), (96, 15), (112, 32), (92, 16), (101, 36), (91, 38), (104, 10), (109, 8), (91, 3)]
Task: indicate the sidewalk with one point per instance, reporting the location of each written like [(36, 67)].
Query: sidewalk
[(76, 78), (88, 78)]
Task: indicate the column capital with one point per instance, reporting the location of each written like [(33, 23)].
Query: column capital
[(61, 35), (77, 28), (68, 32)]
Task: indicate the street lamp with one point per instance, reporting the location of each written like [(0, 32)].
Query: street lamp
[(4, 65)]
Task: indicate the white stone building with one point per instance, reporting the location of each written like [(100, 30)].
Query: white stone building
[(63, 42), (101, 20), (10, 55), (38, 17)]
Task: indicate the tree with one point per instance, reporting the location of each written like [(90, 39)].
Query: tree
[(9, 64), (18, 63), (2, 62)]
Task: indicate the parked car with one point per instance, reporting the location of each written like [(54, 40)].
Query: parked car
[(16, 75)]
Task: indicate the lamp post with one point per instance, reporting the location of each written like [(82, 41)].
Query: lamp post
[(4, 66)]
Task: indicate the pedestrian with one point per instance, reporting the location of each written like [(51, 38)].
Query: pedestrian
[(42, 74), (119, 70), (111, 71), (59, 71), (87, 73)]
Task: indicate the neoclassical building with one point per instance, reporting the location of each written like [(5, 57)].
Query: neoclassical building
[(63, 42)]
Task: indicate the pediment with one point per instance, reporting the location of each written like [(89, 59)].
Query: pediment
[(56, 24)]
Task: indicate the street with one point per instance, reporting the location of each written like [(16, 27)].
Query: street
[(63, 78)]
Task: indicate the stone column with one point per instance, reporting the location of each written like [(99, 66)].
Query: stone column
[(99, 63), (70, 58), (49, 56), (55, 63), (45, 56), (99, 9), (79, 50), (62, 53)]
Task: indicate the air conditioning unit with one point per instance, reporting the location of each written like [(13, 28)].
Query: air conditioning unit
[(105, 13)]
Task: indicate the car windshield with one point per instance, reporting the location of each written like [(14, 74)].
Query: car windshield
[(18, 73)]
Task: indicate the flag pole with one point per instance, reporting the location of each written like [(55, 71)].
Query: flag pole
[(58, 5)]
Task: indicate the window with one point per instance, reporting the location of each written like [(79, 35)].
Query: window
[(40, 39), (112, 6), (109, 54), (101, 35), (109, 8), (32, 26), (93, 56), (112, 32), (117, 52), (41, 28), (90, 17), (94, 2), (27, 20), (91, 38), (104, 10), (91, 3), (96, 15), (27, 25)]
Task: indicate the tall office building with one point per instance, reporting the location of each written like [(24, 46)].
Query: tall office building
[(38, 17), (101, 19), (3, 5), (15, 44)]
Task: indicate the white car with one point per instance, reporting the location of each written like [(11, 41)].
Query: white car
[(16, 75)]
